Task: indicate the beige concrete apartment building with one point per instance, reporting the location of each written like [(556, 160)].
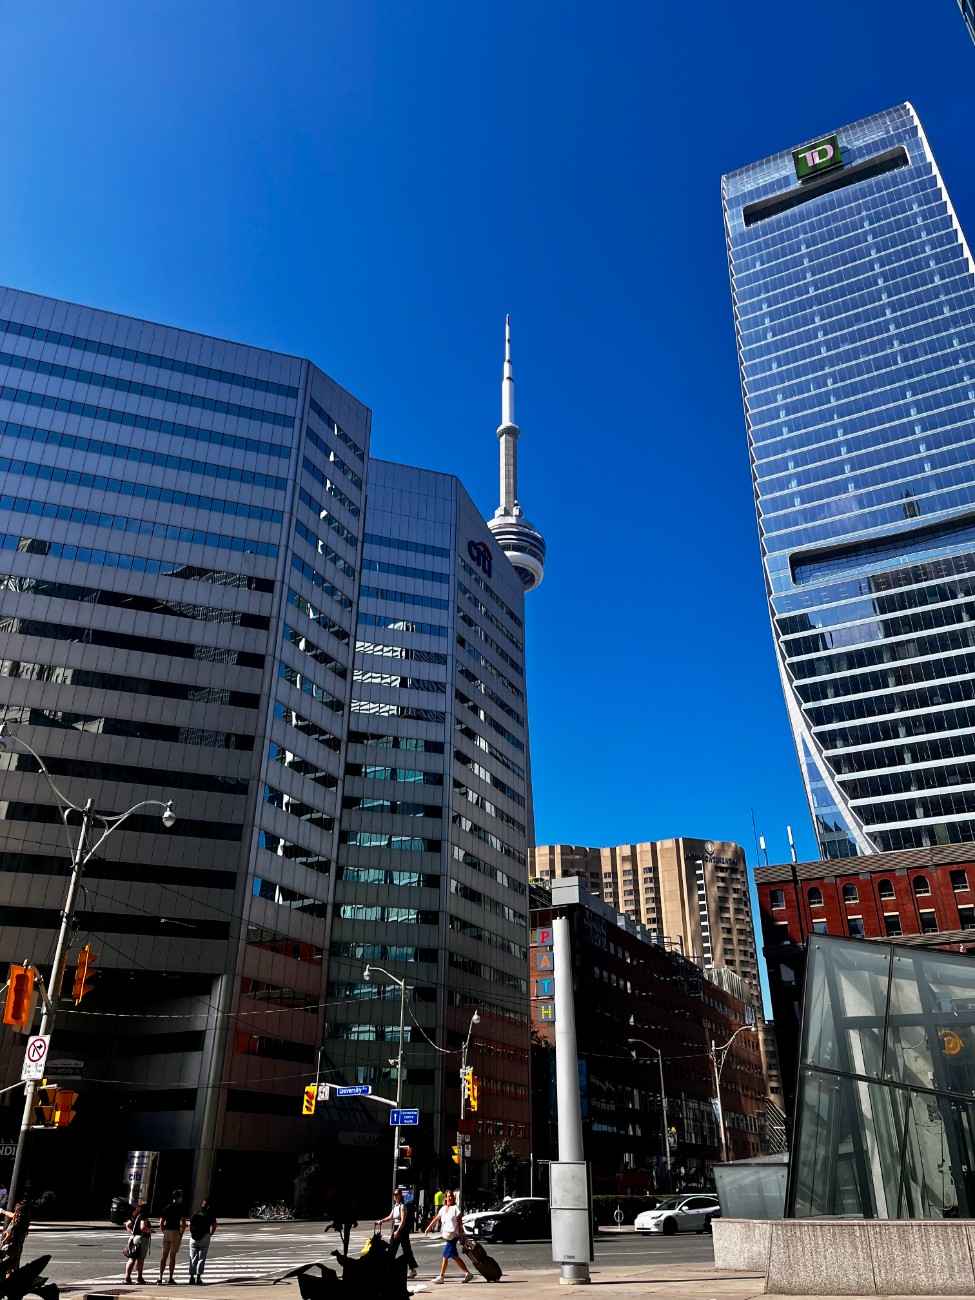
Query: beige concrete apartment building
[(693, 894)]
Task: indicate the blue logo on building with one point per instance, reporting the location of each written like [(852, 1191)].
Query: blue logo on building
[(480, 553)]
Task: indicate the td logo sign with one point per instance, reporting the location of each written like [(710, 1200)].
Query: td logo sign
[(812, 159)]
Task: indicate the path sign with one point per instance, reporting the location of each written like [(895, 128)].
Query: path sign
[(360, 1090), (402, 1118), (35, 1057)]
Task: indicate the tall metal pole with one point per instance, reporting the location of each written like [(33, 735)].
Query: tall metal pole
[(54, 990), (460, 1138), (399, 1081), (717, 1094), (567, 1068), (663, 1108)]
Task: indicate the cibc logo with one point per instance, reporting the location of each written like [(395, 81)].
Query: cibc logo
[(822, 156), (480, 553)]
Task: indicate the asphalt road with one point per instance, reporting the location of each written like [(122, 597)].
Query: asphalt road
[(92, 1257)]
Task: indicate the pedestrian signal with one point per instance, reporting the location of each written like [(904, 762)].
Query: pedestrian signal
[(18, 1009), (952, 1044), (84, 974), (308, 1099), (64, 1102), (455, 1155), (405, 1157), (45, 1105)]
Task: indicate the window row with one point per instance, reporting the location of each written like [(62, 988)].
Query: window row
[(304, 645), (85, 677), (481, 970), (151, 645), (317, 615), (297, 808), (308, 686), (143, 358), (141, 455), (475, 682), (413, 743), (473, 576), (392, 623), (487, 666), (129, 774), (369, 677), (484, 869), (136, 824), (483, 716), (306, 728), (100, 725), (401, 544), (392, 807), (327, 518), (488, 903), (475, 629), (127, 600), (490, 938), (322, 548), (489, 778), (483, 610), (488, 837), (320, 582), (391, 915), (128, 524), (333, 489), (272, 892), (407, 775), (293, 852), (387, 840), (388, 876), (404, 597), (332, 456), (379, 709), (130, 420), (360, 952), (482, 743), (295, 763), (403, 571), (487, 806), (378, 650)]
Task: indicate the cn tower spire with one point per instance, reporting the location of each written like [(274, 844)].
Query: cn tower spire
[(523, 544)]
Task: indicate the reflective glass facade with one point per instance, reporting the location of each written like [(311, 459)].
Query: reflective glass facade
[(886, 1121), (967, 8), (854, 301)]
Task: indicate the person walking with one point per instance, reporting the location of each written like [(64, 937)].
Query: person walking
[(203, 1225), (437, 1201), (451, 1224), (172, 1221), (13, 1237), (139, 1229), (401, 1219)]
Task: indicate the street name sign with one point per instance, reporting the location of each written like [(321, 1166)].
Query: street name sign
[(35, 1057), (359, 1090), (403, 1118)]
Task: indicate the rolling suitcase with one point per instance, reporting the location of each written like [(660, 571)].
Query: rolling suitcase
[(486, 1265)]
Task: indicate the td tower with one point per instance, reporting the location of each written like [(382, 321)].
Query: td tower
[(521, 541)]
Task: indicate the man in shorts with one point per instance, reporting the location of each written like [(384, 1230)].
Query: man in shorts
[(172, 1221), (451, 1223)]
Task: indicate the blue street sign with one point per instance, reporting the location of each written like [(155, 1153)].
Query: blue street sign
[(360, 1090), (404, 1117)]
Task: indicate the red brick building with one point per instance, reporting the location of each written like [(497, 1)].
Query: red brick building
[(923, 896)]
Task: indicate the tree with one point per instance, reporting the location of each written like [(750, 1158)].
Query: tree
[(503, 1163)]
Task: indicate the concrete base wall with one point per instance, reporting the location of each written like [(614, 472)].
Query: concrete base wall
[(851, 1256)]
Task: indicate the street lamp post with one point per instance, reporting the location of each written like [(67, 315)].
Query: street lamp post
[(475, 1020), (663, 1097), (81, 855), (367, 975), (717, 1068)]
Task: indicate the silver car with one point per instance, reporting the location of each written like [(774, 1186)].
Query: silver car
[(692, 1213)]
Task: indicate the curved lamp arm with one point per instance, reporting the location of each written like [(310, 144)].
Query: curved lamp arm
[(113, 823), (723, 1049), (6, 738)]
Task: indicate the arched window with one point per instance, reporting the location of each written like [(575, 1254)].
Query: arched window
[(815, 897), (851, 894), (922, 885), (885, 889)]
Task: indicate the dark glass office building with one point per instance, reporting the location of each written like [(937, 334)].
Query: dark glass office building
[(854, 300), (187, 613)]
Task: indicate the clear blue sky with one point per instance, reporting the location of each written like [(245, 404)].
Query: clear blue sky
[(373, 185)]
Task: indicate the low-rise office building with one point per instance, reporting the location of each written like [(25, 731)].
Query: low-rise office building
[(627, 986)]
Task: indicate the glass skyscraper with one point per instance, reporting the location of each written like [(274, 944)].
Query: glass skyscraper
[(854, 299), (967, 8)]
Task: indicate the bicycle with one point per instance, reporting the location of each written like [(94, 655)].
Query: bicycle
[(273, 1212)]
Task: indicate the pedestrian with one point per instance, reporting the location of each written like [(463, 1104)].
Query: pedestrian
[(401, 1219), (437, 1201), (13, 1237), (139, 1228), (172, 1221), (451, 1224), (203, 1225)]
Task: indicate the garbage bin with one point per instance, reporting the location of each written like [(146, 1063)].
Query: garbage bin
[(120, 1210)]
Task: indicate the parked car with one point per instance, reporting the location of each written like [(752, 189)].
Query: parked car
[(514, 1220), (680, 1214)]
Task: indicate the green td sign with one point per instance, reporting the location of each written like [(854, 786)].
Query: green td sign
[(812, 159)]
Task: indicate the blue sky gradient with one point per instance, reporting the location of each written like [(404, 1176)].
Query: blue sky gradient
[(373, 185)]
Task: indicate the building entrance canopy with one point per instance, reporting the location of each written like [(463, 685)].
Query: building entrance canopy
[(886, 1107)]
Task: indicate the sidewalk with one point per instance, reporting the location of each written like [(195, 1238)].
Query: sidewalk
[(103, 1225), (677, 1282)]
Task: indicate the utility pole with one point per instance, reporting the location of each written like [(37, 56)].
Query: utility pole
[(664, 1127), (367, 975), (795, 883), (717, 1068), (79, 859), (567, 1071), (461, 1144)]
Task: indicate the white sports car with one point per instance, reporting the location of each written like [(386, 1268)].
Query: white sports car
[(680, 1214)]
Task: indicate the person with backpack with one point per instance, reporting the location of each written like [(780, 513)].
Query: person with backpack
[(203, 1225), (139, 1229)]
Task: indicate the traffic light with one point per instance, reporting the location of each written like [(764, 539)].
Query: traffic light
[(455, 1155), (308, 1099), (404, 1157), (64, 1113), (84, 974), (18, 1009), (952, 1043), (45, 1104)]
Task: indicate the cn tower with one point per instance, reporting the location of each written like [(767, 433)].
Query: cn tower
[(523, 544)]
